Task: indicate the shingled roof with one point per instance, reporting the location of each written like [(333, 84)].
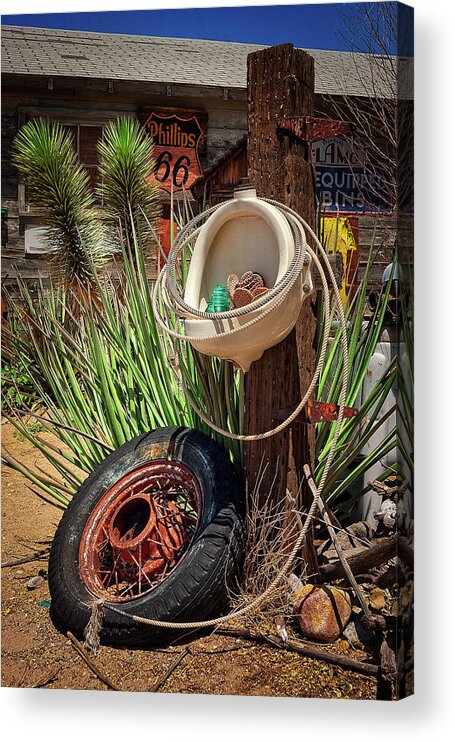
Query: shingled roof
[(60, 53)]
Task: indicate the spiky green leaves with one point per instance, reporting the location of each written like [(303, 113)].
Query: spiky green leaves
[(350, 462), (125, 164), (57, 182), (78, 240)]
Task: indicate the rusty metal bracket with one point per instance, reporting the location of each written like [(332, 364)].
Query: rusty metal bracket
[(311, 129), (315, 412)]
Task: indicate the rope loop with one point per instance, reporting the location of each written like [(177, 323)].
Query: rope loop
[(169, 307)]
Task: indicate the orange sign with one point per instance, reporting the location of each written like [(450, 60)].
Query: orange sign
[(176, 142)]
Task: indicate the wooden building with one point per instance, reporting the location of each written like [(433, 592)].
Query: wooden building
[(189, 94)]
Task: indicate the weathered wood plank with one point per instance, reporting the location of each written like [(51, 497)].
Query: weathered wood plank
[(65, 86), (27, 268), (280, 83), (221, 118)]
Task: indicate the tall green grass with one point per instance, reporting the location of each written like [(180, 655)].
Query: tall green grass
[(105, 376)]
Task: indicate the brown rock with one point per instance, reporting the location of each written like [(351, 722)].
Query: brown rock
[(377, 599), (35, 582), (322, 612)]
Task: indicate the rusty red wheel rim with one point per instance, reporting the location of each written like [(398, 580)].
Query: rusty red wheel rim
[(140, 530)]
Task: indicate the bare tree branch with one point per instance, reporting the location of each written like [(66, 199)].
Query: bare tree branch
[(382, 109)]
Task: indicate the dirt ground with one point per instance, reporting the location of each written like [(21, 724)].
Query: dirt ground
[(35, 654)]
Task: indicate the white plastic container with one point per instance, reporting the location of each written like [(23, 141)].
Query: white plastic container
[(244, 234)]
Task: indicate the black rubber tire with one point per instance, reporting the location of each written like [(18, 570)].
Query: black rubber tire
[(197, 585)]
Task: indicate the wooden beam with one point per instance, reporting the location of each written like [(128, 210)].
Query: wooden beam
[(374, 556), (281, 83)]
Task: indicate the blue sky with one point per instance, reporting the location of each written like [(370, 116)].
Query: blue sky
[(307, 26)]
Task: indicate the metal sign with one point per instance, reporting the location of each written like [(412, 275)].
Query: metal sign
[(310, 128), (176, 142), (344, 181), (338, 236)]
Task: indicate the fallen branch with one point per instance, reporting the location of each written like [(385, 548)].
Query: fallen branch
[(89, 662), (323, 655), (36, 556), (170, 669), (338, 548), (372, 557)]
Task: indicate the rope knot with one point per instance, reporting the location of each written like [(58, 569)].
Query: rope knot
[(93, 629)]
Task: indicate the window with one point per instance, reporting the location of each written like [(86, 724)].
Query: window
[(85, 138)]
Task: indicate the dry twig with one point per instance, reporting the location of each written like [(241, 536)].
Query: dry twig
[(269, 540), (36, 556), (303, 649), (170, 669), (89, 662)]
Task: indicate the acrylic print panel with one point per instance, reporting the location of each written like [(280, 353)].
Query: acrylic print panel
[(183, 190)]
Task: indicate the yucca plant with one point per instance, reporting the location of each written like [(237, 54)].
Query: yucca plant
[(102, 369), (57, 182), (405, 378), (109, 376), (129, 198)]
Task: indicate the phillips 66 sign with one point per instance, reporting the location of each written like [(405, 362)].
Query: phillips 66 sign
[(176, 156)]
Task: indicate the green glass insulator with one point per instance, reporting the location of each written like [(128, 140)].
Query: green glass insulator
[(219, 301)]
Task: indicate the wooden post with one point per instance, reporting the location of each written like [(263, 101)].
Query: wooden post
[(281, 83)]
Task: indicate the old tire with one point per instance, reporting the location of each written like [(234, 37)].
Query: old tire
[(196, 584)]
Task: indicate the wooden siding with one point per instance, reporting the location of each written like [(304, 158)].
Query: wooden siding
[(89, 101)]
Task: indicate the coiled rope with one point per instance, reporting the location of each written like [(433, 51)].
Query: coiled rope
[(168, 306)]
